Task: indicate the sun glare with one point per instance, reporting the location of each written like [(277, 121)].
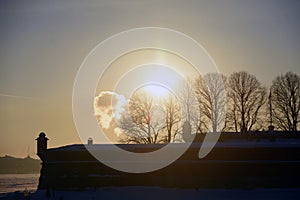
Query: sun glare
[(156, 90)]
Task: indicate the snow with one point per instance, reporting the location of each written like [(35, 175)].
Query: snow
[(147, 193), (280, 143)]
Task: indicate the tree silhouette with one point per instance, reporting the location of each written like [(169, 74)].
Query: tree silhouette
[(203, 103), (211, 95), (173, 118), (150, 121), (246, 97), (285, 97), (138, 123), (190, 111)]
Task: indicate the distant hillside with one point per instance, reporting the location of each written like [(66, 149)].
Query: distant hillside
[(11, 165)]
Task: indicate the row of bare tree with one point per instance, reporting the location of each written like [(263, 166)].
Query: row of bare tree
[(239, 103)]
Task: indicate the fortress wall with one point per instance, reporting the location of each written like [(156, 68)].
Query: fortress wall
[(225, 167)]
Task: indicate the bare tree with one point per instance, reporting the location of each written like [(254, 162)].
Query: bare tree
[(151, 121), (138, 123), (247, 96), (211, 96), (173, 118), (190, 107), (285, 98)]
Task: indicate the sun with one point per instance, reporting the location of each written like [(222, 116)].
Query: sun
[(156, 90)]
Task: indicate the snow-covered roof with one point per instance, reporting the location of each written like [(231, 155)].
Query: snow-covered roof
[(230, 144)]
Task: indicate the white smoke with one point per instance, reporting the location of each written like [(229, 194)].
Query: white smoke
[(109, 106)]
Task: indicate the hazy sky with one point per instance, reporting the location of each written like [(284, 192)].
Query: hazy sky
[(43, 43)]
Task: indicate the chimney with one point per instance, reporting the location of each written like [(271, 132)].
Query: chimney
[(90, 141)]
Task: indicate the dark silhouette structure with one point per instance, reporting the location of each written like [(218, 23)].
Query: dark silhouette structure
[(243, 160), (41, 144), (187, 129)]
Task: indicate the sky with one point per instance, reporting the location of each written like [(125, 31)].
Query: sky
[(43, 44)]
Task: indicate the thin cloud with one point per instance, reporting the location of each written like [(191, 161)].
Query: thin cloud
[(15, 96)]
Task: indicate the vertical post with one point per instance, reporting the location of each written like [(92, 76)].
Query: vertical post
[(270, 107), (271, 127)]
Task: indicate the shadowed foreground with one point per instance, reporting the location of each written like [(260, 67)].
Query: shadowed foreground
[(147, 193)]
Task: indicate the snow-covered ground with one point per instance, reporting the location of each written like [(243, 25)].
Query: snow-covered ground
[(147, 193)]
